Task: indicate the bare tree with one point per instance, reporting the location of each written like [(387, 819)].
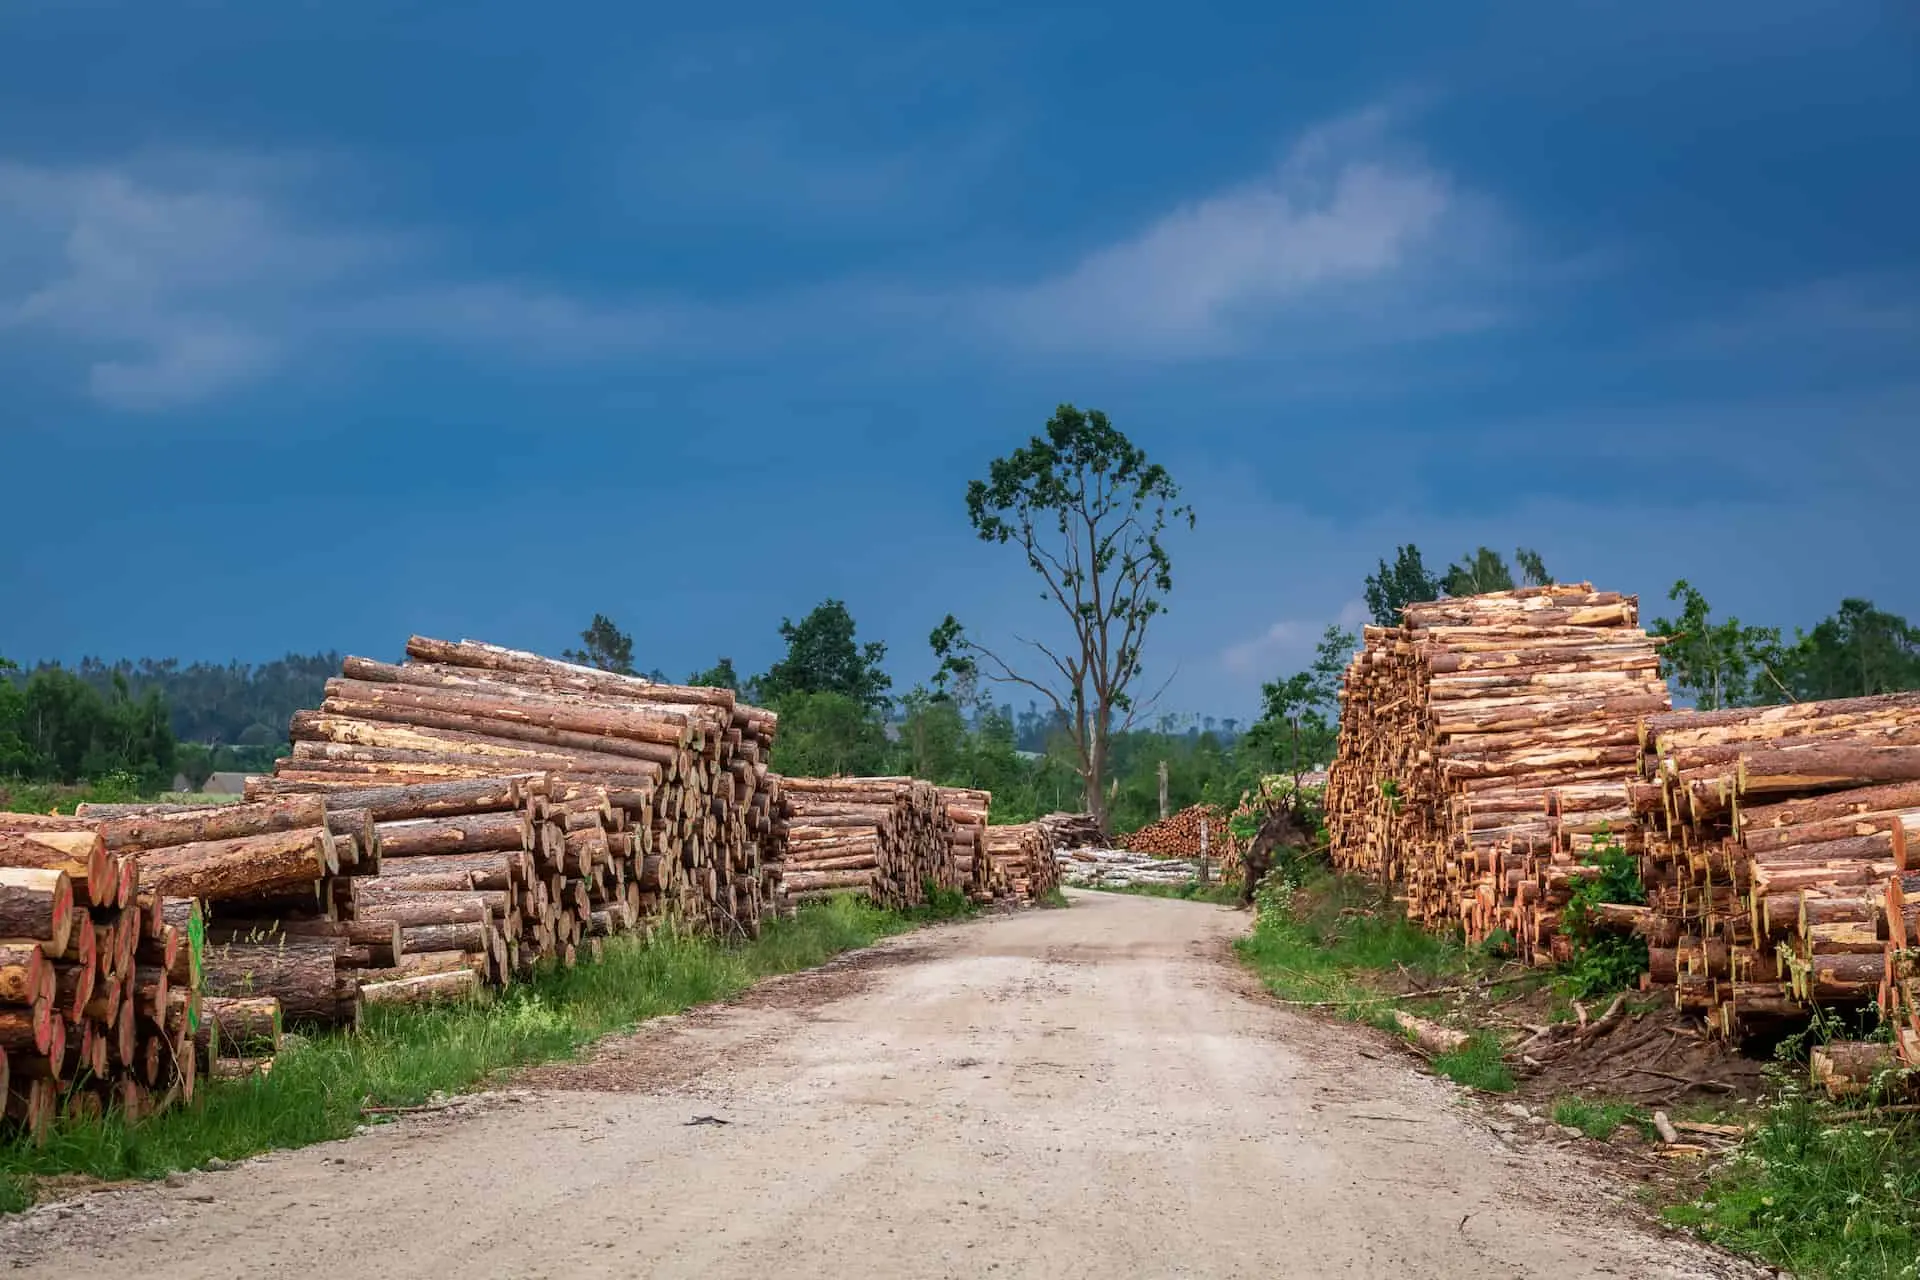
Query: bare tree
[(1088, 510)]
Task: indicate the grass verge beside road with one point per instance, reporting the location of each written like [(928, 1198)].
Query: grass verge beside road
[(1827, 1194), (319, 1087), (1223, 894)]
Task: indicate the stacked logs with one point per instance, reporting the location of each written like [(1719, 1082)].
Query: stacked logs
[(967, 812), (887, 837), (435, 914), (1900, 984), (1774, 856), (1483, 748), (533, 808), (99, 977), (1178, 836), (1023, 856)]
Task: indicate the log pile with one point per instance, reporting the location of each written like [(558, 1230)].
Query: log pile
[(1073, 831), (1118, 869), (99, 976), (1775, 844), (1900, 985), (1178, 836), (525, 810), (1023, 855), (967, 811), (886, 837), (1484, 745)]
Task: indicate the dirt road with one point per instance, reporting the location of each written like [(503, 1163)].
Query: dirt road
[(1095, 1092)]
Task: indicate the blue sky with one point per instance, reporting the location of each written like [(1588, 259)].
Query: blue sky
[(325, 323)]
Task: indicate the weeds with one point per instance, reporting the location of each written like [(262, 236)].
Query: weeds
[(319, 1085), (1221, 893), (1821, 1200), (1477, 1064), (1313, 942), (1602, 963), (1598, 1120)]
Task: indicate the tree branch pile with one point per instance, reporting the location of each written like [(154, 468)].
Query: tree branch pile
[(1776, 858), (887, 837), (99, 975), (1484, 744)]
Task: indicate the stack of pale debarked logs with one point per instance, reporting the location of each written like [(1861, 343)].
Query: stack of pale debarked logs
[(101, 963), (1777, 859), (1483, 748), (891, 837)]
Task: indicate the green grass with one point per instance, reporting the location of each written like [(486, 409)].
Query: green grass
[(1598, 1120), (1476, 1064), (318, 1086), (1213, 891), (1320, 942), (1053, 899), (1825, 1201)]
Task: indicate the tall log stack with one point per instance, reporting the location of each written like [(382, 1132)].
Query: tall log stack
[(99, 976), (1484, 744), (1777, 856), (888, 837)]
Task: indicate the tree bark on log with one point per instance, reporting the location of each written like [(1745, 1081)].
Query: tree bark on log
[(247, 867)]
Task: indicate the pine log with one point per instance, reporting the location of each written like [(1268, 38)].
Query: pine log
[(425, 800), (300, 973), (246, 867), (82, 855), (466, 833), (456, 984), (36, 905), (215, 822), (236, 1026)]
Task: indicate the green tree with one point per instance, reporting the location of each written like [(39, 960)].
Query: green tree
[(1089, 512), (1331, 657), (824, 657), (1406, 581), (721, 675), (607, 647), (1860, 650), (1533, 570), (825, 733), (16, 755), (1717, 664), (1479, 572)]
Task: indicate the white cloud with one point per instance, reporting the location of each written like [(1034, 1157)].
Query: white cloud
[(181, 277), (1289, 638), (1347, 228)]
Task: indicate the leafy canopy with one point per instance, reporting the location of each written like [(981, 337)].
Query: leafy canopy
[(823, 657)]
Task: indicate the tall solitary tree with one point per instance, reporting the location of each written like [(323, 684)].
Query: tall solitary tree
[(1089, 513)]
